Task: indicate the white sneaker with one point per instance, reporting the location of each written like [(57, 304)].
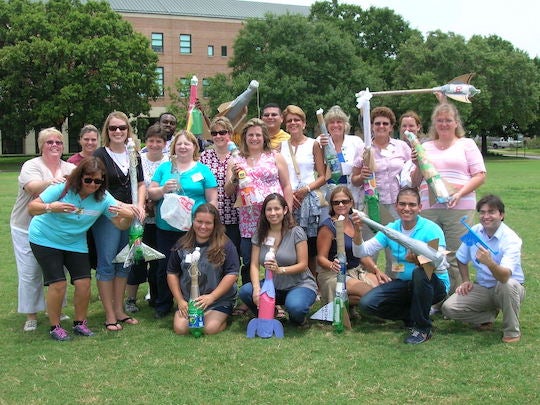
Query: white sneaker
[(30, 325), (64, 317)]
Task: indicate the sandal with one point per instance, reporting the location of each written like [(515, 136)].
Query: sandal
[(240, 310), (280, 313), (113, 327), (129, 320)]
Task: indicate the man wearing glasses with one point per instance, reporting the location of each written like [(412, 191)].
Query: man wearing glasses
[(273, 119), (410, 295), (499, 276)]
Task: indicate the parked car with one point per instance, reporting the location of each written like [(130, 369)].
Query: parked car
[(504, 143)]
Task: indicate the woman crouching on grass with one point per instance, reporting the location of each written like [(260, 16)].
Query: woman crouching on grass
[(62, 214), (294, 282), (218, 272)]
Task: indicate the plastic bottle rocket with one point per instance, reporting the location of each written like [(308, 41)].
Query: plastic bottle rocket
[(265, 325), (195, 314), (330, 154), (245, 184)]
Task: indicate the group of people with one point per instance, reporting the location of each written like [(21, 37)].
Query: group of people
[(275, 192)]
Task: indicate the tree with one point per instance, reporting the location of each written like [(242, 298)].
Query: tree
[(310, 64), (377, 32), (63, 59)]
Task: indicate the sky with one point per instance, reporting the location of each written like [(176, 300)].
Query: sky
[(517, 21)]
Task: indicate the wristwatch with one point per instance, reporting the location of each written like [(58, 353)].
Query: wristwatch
[(48, 209)]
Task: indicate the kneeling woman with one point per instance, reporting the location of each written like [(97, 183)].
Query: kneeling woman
[(62, 215), (294, 283), (218, 272), (362, 274)]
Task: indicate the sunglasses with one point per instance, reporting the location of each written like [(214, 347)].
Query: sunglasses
[(340, 202), (113, 128), (378, 124), (90, 180), (216, 133), (59, 143)]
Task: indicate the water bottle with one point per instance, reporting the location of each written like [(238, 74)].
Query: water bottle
[(195, 313), (330, 154)]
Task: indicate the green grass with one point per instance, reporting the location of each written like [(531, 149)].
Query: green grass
[(149, 364)]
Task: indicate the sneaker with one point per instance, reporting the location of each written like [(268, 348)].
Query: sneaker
[(64, 317), (30, 325), (130, 305), (434, 310), (82, 329), (417, 337), (59, 333)]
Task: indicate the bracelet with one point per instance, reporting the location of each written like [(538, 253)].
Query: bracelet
[(48, 209), (283, 270), (308, 189)]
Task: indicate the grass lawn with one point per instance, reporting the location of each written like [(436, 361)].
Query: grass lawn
[(147, 363)]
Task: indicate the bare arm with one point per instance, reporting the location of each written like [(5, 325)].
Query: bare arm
[(476, 181), (283, 173)]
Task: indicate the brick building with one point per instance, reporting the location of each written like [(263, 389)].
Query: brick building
[(193, 36)]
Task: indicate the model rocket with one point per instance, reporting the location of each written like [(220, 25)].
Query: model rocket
[(430, 173), (428, 255), (458, 89), (265, 325), (234, 110), (135, 251), (330, 154), (371, 195), (195, 118)]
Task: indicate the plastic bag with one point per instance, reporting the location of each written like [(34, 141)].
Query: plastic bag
[(176, 211)]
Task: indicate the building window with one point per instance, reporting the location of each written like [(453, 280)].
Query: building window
[(205, 85), (157, 42), (224, 50), (185, 44), (210, 50), (160, 80), (185, 85)]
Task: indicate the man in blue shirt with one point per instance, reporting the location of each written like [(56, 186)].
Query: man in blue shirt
[(410, 295), (499, 277)]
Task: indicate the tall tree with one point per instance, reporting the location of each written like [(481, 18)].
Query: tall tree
[(310, 64), (66, 58)]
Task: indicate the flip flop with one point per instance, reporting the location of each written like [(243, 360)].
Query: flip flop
[(113, 327), (129, 320)]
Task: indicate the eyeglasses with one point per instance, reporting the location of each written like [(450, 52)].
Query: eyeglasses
[(89, 180), (113, 128), (293, 120), (340, 202), (216, 133), (59, 143), (379, 123)]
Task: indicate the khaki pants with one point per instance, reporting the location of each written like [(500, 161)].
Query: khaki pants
[(483, 304), (327, 281)]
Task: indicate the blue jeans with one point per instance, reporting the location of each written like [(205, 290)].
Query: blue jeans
[(406, 300), (297, 301), (109, 241)]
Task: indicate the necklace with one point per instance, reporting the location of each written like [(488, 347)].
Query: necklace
[(444, 147), (121, 159)]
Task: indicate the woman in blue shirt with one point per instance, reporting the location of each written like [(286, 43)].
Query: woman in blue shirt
[(61, 216)]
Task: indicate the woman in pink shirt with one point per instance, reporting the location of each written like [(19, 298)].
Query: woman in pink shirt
[(461, 165)]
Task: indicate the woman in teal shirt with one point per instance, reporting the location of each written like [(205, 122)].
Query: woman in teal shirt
[(184, 175), (62, 214)]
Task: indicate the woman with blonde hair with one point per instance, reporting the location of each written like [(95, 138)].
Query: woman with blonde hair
[(183, 174), (112, 277)]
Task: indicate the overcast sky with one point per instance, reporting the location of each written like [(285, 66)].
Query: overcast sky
[(517, 21)]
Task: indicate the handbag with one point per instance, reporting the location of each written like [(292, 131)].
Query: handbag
[(176, 211)]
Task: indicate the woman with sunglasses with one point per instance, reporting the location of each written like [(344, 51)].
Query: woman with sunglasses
[(112, 277), (295, 285), (61, 216), (390, 156), (217, 159), (35, 176), (362, 274)]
